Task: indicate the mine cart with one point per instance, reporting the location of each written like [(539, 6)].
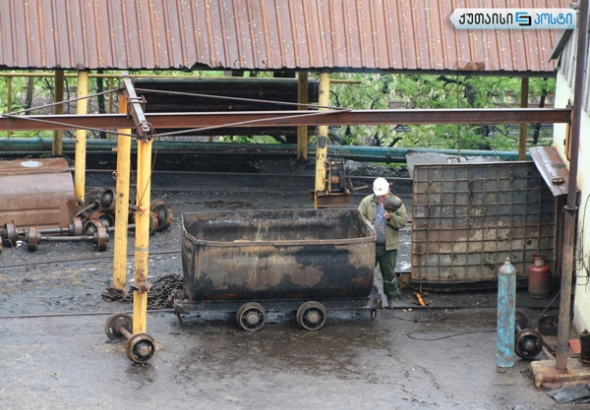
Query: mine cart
[(253, 262)]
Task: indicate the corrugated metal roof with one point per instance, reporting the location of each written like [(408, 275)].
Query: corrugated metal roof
[(266, 35)]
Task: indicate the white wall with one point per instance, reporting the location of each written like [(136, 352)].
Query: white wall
[(581, 286)]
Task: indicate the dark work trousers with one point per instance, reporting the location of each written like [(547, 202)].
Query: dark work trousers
[(387, 261)]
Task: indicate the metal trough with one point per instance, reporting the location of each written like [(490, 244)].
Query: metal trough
[(278, 258)]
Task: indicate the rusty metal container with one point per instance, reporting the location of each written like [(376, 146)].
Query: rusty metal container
[(277, 254), (36, 192)]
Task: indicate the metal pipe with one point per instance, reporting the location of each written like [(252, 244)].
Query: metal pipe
[(524, 103), (321, 154), (378, 154), (563, 327), (80, 157)]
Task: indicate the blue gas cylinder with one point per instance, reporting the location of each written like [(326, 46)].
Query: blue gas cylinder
[(506, 314)]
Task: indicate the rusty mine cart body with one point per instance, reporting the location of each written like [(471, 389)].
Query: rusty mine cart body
[(254, 262)]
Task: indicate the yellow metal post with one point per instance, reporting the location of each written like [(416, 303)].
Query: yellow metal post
[(302, 98), (142, 236), (524, 103), (111, 83), (80, 159), (8, 99), (322, 143), (58, 92), (122, 203)]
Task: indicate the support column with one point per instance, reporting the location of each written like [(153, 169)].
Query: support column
[(569, 232), (144, 132), (142, 236), (8, 100), (122, 202), (58, 96), (110, 109), (302, 98), (322, 143), (524, 103), (80, 159)]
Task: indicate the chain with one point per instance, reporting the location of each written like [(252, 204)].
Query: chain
[(159, 294)]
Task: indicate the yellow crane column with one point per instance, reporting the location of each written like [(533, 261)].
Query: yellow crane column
[(142, 235), (144, 131), (322, 143), (80, 159), (302, 98), (58, 96), (8, 99), (122, 203)]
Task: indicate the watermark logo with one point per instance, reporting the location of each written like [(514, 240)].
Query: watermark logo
[(514, 19)]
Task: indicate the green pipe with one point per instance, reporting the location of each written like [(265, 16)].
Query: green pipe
[(375, 154)]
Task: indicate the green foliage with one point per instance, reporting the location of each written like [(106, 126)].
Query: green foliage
[(358, 92), (434, 92)]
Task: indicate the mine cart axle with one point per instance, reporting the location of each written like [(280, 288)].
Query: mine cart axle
[(99, 238), (140, 347)]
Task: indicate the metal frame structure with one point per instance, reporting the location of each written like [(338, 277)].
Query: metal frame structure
[(132, 116)]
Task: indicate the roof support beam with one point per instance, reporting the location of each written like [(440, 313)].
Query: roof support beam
[(290, 118)]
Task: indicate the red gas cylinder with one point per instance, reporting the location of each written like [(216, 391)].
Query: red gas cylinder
[(539, 281)]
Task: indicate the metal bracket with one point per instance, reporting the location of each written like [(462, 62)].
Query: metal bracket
[(136, 108), (141, 287)]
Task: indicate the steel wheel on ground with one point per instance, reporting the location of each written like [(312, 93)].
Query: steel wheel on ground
[(312, 316), (251, 316), (141, 348), (111, 327)]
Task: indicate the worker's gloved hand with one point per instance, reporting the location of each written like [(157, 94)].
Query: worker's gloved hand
[(392, 204)]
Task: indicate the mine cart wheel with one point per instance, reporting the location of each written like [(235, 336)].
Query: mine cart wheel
[(251, 316), (312, 316), (10, 233), (75, 227), (528, 344), (113, 323), (108, 200), (91, 196), (100, 238), (32, 238), (169, 219), (141, 348), (163, 212), (154, 227)]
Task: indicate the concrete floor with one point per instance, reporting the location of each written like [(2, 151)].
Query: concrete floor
[(420, 359)]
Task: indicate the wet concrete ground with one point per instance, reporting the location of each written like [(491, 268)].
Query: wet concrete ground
[(439, 358)]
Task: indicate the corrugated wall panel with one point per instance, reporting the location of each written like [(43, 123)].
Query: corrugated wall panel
[(265, 34)]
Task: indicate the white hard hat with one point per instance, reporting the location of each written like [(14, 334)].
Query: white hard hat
[(380, 186)]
